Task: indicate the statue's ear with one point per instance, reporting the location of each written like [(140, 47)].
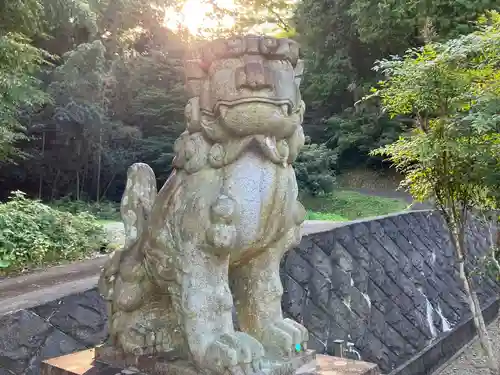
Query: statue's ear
[(194, 77), (299, 71)]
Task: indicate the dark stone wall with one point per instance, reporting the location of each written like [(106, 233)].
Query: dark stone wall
[(60, 327), (389, 284)]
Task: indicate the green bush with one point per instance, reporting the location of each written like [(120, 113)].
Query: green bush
[(315, 169), (104, 210), (33, 234)]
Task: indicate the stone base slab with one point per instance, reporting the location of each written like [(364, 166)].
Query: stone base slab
[(81, 363), (92, 362), (328, 365), (172, 364)]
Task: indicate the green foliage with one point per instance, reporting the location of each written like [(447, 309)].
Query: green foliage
[(103, 210), (356, 132), (156, 95), (19, 88), (327, 37), (315, 169), (20, 61), (118, 89), (21, 17), (402, 23), (352, 205), (451, 90), (33, 234), (342, 39), (110, 110)]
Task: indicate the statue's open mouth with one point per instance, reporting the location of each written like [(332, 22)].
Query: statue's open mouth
[(285, 105)]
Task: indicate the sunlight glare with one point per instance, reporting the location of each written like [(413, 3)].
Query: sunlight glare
[(194, 16)]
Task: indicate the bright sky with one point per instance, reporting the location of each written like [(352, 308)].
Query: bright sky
[(195, 16)]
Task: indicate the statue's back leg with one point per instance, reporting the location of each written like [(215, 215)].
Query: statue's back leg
[(141, 319)]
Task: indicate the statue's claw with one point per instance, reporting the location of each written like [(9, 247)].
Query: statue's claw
[(148, 332), (235, 352), (285, 337)]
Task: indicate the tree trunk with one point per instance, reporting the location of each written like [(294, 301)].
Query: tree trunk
[(84, 178), (77, 185), (40, 182), (108, 185), (54, 185), (99, 161), (474, 305)]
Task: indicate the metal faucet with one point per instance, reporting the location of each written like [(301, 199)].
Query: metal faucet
[(343, 349)]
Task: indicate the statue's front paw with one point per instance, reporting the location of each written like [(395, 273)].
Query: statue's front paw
[(235, 352), (285, 337)]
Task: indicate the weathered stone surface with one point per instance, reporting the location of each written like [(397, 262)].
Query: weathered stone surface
[(169, 363), (82, 363)]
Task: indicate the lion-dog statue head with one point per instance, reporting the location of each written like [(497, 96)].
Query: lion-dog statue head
[(247, 88)]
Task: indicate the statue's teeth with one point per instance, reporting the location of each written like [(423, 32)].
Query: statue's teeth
[(284, 109)]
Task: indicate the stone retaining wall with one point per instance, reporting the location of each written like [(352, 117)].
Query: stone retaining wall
[(389, 283), (60, 327)]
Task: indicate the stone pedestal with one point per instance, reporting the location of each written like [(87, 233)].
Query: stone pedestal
[(328, 365), (172, 364), (81, 363), (103, 361)]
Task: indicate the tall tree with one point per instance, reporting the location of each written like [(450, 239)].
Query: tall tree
[(342, 39), (20, 90), (451, 91)]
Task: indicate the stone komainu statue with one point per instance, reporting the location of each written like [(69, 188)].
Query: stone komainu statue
[(220, 225)]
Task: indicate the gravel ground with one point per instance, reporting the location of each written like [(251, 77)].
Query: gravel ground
[(472, 361)]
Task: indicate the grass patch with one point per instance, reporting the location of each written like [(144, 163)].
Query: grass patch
[(351, 205), (326, 216)]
